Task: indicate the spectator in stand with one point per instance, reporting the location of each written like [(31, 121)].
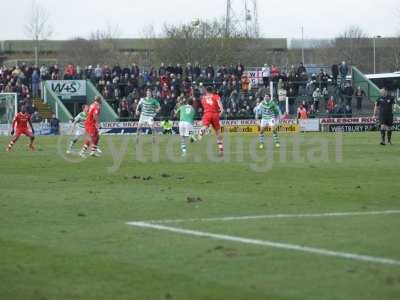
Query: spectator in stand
[(325, 95), (302, 78), (134, 105), (348, 111), (338, 111), (79, 73), (257, 110), (126, 71), (302, 112), (301, 69), (17, 72), (165, 91), (135, 72), (316, 99), (44, 72), (348, 93), (167, 106), (196, 70), (9, 88), (30, 107), (282, 94), (291, 94), (210, 71), (123, 82), (123, 109), (89, 74), (359, 97), (266, 73), (224, 92), (335, 73), (54, 125), (293, 82), (116, 71), (330, 106), (239, 70), (117, 82), (189, 72), (323, 78), (116, 89), (36, 118), (343, 70), (162, 70), (228, 113), (246, 84), (275, 72), (69, 72), (108, 90), (98, 73), (54, 72), (178, 70), (35, 83), (223, 71), (244, 113), (170, 69)]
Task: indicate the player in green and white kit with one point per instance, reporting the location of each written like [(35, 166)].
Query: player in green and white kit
[(78, 127), (149, 107), (270, 113), (186, 118)]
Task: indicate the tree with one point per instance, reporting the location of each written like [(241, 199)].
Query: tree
[(206, 42), (397, 48), (38, 26), (148, 32), (354, 46), (396, 54), (99, 48)]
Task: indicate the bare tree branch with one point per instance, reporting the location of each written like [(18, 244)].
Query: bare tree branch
[(99, 48), (38, 25)]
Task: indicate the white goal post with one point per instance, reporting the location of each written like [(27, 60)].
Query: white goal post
[(277, 99), (8, 109)]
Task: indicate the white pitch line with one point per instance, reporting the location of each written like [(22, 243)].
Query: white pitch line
[(280, 216), (284, 246)]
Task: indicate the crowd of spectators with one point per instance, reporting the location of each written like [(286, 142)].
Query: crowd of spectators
[(320, 93), (123, 86), (25, 81)]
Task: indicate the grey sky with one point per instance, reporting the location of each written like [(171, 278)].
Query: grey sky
[(321, 19)]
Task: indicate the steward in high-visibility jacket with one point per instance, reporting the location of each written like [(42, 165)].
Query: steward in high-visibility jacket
[(167, 126)]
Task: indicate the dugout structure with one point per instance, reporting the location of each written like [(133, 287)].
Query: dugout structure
[(359, 79)]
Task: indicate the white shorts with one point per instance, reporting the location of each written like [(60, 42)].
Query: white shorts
[(185, 128), (78, 132), (146, 120), (268, 122)]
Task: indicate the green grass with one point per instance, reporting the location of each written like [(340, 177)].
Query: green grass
[(63, 231)]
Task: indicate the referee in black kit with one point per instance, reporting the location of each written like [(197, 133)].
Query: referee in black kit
[(385, 105)]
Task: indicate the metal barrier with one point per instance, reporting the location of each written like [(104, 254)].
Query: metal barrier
[(50, 98), (107, 113), (370, 89)]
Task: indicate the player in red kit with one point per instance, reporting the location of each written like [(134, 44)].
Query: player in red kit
[(213, 109), (92, 126), (22, 124)]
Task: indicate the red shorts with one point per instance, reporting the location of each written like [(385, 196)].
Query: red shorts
[(92, 131), (213, 119), (24, 131)]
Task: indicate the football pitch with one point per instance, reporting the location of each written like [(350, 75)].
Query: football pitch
[(318, 218)]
